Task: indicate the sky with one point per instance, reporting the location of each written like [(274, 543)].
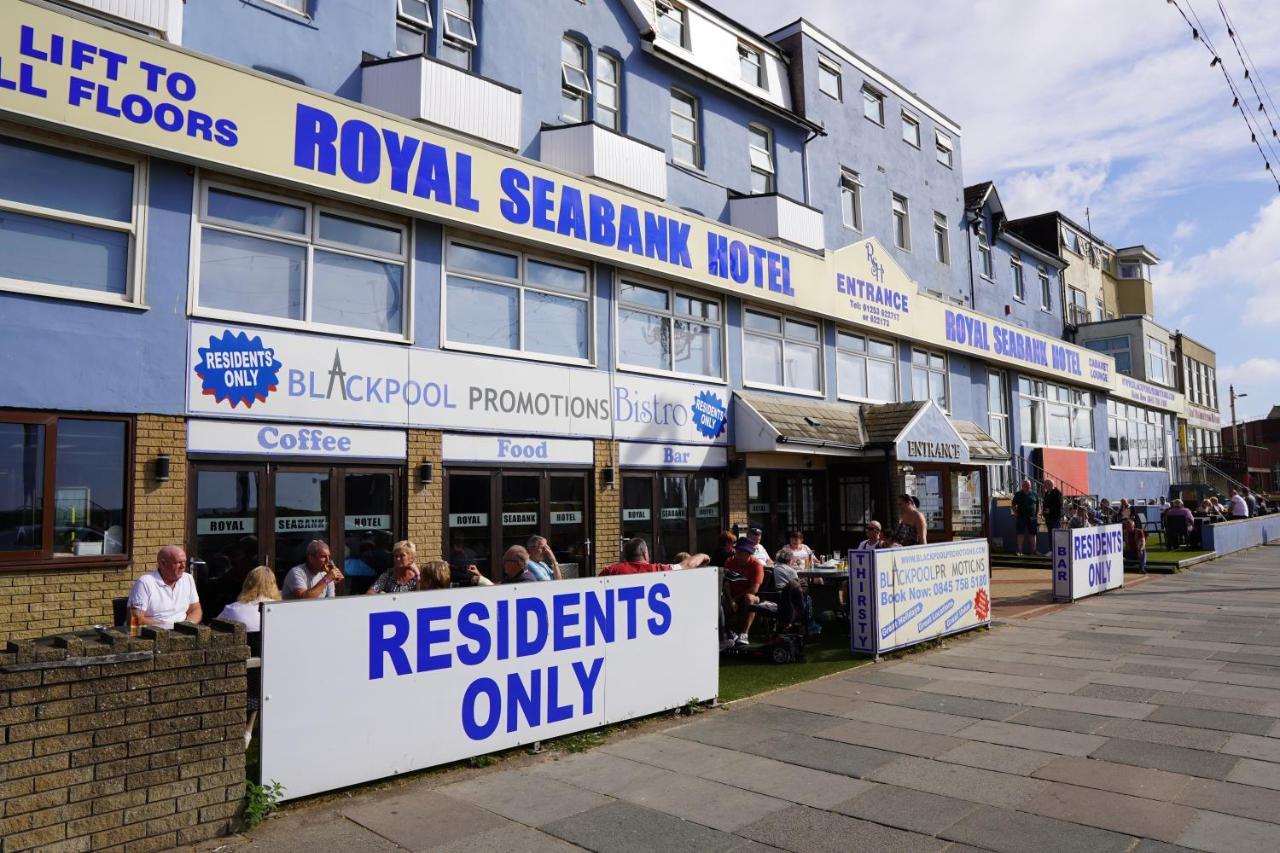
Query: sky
[(1112, 106)]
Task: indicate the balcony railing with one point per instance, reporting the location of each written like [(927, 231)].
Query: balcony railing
[(597, 152), (778, 218)]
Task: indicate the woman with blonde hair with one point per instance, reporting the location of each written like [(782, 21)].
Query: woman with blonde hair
[(435, 575), (403, 574), (259, 586)]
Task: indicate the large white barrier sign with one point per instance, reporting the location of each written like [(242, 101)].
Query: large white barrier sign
[(1087, 561), (903, 596), (365, 687)]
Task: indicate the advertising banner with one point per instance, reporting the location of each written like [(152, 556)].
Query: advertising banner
[(1146, 394), (397, 683), (1087, 561), (262, 373), (281, 439), (903, 596)]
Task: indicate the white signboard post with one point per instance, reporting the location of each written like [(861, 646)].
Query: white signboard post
[(903, 596), (474, 670), (1087, 561)]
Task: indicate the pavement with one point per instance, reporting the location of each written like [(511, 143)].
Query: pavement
[(1143, 720)]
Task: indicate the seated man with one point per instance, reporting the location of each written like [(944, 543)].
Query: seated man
[(316, 577), (1177, 510), (542, 560), (635, 561), (166, 595), (742, 591), (515, 566), (1079, 517), (1135, 544), (874, 538)]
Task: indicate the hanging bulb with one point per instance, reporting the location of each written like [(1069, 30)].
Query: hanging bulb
[(1215, 61), (1260, 108), (1195, 34), (1253, 137), (1235, 102), (1246, 74), (1268, 166)]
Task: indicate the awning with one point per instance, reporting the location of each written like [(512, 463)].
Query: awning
[(776, 424), (921, 432), (982, 447)]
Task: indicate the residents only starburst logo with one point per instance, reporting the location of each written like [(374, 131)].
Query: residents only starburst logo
[(238, 369), (709, 414)]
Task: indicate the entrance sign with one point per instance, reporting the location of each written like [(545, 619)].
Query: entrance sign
[(478, 669), (903, 596), (1087, 561), (931, 437)]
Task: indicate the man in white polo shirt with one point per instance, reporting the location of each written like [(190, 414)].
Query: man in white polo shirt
[(168, 594)]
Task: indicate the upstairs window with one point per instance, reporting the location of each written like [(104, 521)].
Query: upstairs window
[(901, 223), (459, 44), (684, 129), (943, 148), (673, 23), (873, 105), (929, 377), (829, 82), (609, 91), (751, 65), (941, 238), (781, 352), (866, 368), (1118, 348), (575, 85), (1015, 270), (911, 130), (70, 222), (1046, 289), (413, 20), (985, 262), (1159, 367), (850, 199), (660, 328), (761, 154)]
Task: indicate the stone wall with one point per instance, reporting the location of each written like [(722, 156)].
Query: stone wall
[(112, 743)]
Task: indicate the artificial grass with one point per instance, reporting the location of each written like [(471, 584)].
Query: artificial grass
[(746, 675), (1160, 554)]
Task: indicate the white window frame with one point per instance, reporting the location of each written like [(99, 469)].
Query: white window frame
[(868, 96), (942, 238), (417, 29), (461, 40), (1143, 427), (761, 159), (851, 184), (946, 373), (1000, 428), (832, 68), (865, 355), (602, 57), (1158, 352), (911, 122), (903, 218), (944, 149), (523, 256), (667, 9), (311, 241), (986, 263), (1018, 274), (1077, 312), (425, 23), (1046, 289), (293, 6), (135, 278), (783, 320), (673, 292), (745, 52), (684, 97), (1044, 394), (571, 88)]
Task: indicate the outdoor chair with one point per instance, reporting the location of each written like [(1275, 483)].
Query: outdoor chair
[(1175, 531)]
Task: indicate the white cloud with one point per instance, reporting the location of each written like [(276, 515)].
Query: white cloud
[(1063, 187), (1257, 377), (1184, 230)]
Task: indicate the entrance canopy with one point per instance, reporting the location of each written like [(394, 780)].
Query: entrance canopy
[(921, 432)]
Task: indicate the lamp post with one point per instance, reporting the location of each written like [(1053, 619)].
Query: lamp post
[(1235, 430)]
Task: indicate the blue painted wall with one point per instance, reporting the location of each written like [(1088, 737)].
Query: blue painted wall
[(993, 295), (1230, 536)]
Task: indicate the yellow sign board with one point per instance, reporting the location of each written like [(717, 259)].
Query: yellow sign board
[(71, 74)]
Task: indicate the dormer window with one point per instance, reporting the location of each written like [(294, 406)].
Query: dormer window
[(673, 25), (751, 64)]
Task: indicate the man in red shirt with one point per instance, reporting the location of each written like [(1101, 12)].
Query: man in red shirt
[(742, 591), (635, 561)]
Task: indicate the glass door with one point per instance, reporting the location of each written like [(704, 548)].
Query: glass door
[(368, 525), (708, 513), (301, 502), (855, 507), (226, 516), (567, 531), (637, 508), (468, 531), (673, 518), (926, 487)]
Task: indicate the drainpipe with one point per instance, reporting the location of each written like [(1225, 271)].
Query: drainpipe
[(973, 293)]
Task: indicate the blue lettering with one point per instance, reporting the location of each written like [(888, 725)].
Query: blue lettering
[(587, 681), (528, 702), (599, 617), (562, 619), (542, 204), (515, 207), (315, 139), (400, 151), (433, 174), (489, 689), (555, 711), (361, 151), (537, 609), (392, 646), (603, 232), (630, 595), (655, 236), (463, 198), (629, 238), (678, 243), (428, 636), (469, 618), (572, 221), (660, 621)]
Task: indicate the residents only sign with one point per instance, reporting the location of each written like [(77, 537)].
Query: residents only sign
[(1087, 561), (397, 683), (903, 596)]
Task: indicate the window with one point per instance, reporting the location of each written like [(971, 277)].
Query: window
[(943, 148), (760, 142), (672, 24), (901, 222), (941, 238), (609, 91), (684, 128), (1137, 435), (302, 7), (413, 19), (1054, 415), (1117, 348), (751, 65), (911, 130), (70, 223), (64, 485), (985, 262), (1046, 289), (1211, 384), (1078, 310), (507, 300), (850, 199), (1015, 271), (660, 328), (929, 377), (262, 256), (1071, 240), (873, 105), (866, 368), (1158, 364), (781, 352), (998, 426), (460, 41), (1130, 270), (829, 82), (575, 85)]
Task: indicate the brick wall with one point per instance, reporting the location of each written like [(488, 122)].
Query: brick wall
[(49, 600), (608, 508), (112, 743), (737, 494), (426, 502)]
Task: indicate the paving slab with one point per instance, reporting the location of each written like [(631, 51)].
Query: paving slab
[(422, 820), (1252, 746), (1031, 737), (857, 689), (987, 692), (889, 738), (954, 780), (526, 797), (1210, 719), (908, 809), (992, 756), (877, 675), (598, 771), (1250, 771), (762, 715), (1090, 705), (672, 753), (1230, 798), (503, 840), (1115, 691), (703, 801), (961, 706), (289, 833), (906, 718), (1145, 730), (806, 830), (831, 756), (1066, 721), (1219, 833), (1175, 759), (1120, 778), (1016, 832), (1210, 702), (802, 785), (1110, 810), (628, 828)]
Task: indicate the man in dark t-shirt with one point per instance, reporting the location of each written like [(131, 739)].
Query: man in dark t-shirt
[(1026, 508), (1052, 506)]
